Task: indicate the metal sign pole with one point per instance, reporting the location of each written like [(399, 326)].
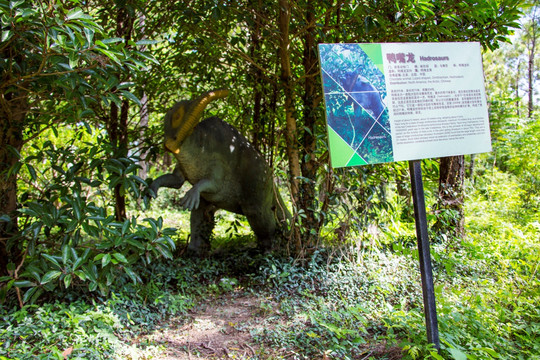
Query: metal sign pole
[(430, 310)]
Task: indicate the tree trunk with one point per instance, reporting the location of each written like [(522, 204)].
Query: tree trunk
[(291, 131), (470, 169), (143, 124), (118, 123), (532, 50), (13, 109), (451, 179), (255, 75), (309, 140), (118, 136), (518, 75), (271, 107), (144, 113)]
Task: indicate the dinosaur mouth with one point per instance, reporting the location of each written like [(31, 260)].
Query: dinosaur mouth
[(171, 146)]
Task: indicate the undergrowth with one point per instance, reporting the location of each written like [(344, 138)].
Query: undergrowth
[(338, 303)]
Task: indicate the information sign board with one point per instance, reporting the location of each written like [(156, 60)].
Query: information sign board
[(403, 101)]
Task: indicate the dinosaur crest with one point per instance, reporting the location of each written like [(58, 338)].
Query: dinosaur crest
[(184, 115)]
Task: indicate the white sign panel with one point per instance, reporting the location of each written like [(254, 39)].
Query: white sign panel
[(403, 101)]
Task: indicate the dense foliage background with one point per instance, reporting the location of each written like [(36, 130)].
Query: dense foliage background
[(84, 86)]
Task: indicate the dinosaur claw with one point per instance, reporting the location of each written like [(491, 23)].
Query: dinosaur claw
[(191, 200)]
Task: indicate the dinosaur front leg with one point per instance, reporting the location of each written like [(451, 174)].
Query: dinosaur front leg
[(192, 199), (173, 180), (202, 225)]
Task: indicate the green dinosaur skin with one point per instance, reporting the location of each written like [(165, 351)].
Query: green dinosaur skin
[(228, 173)]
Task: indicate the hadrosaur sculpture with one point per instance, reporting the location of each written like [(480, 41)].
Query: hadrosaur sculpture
[(226, 172)]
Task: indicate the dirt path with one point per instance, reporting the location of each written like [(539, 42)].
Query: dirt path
[(219, 328)]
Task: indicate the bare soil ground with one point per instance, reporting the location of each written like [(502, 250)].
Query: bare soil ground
[(218, 328)]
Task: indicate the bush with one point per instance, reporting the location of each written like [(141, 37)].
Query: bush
[(67, 236)]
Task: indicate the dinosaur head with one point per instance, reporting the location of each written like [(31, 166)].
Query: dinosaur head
[(184, 115)]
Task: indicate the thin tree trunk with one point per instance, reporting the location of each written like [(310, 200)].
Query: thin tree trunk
[(118, 137), (532, 50), (470, 169), (291, 131), (13, 109), (451, 180), (118, 123), (143, 124), (517, 87), (256, 77), (309, 140), (144, 113), (271, 108)]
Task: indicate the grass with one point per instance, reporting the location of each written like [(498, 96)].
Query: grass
[(341, 303)]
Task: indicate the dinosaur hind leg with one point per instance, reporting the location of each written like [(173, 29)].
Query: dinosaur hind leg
[(202, 225), (263, 224)]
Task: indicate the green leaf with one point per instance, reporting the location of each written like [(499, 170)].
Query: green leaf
[(15, 4), (13, 151), (77, 13), (125, 85), (77, 211), (52, 259), (125, 226), (78, 263), (457, 354), (23, 283), (32, 171), (120, 257), (109, 54), (146, 42), (32, 293), (90, 270), (152, 223), (5, 218), (89, 33), (49, 276), (65, 254), (67, 281), (149, 57), (138, 179), (81, 275), (6, 35), (164, 251), (24, 14), (135, 243), (73, 59), (491, 352), (134, 277), (105, 260), (131, 97), (13, 170), (112, 40)]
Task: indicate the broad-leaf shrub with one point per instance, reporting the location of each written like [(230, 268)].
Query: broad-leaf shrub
[(56, 57), (69, 237)]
